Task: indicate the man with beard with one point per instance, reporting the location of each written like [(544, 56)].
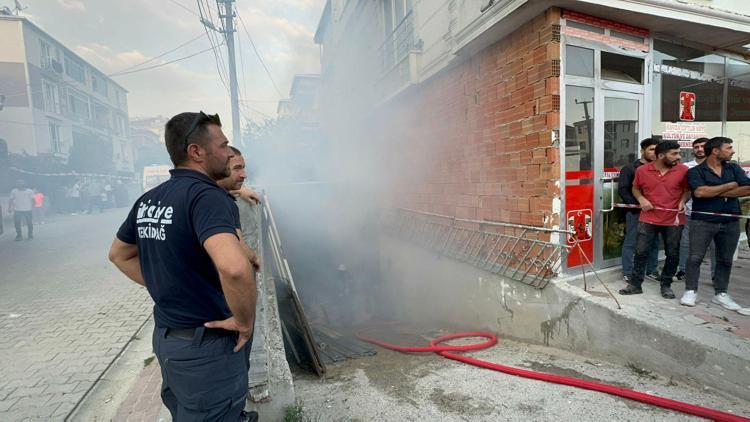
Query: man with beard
[(661, 189), (624, 188), (180, 241), (700, 156), (247, 227), (716, 184)]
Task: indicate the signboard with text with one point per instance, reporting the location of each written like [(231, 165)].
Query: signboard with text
[(684, 133)]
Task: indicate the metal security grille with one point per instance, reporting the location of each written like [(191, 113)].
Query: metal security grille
[(521, 253)]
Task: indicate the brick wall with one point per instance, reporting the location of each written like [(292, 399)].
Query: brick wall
[(476, 141)]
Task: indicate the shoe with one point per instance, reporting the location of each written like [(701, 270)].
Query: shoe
[(726, 301), (689, 298), (251, 416), (19, 238), (654, 276), (667, 293), (631, 290), (679, 277), (30, 238)]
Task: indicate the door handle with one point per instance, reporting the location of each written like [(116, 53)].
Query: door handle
[(611, 181)]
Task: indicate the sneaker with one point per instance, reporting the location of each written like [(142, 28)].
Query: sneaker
[(631, 290), (726, 301), (667, 293), (679, 277), (19, 238), (654, 276), (689, 298)]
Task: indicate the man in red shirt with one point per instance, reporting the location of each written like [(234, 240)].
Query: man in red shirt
[(661, 189)]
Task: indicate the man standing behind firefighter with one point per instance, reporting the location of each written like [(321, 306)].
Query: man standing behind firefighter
[(624, 188), (661, 189)]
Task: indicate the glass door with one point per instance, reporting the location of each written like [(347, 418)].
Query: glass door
[(620, 128)]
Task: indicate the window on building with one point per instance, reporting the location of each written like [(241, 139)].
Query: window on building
[(99, 84), (579, 61), (54, 135), (78, 104), (617, 67), (45, 55), (399, 32), (74, 69), (738, 108), (51, 97)]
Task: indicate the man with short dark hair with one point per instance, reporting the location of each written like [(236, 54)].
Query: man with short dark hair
[(661, 189), (700, 156), (21, 204), (233, 185), (716, 184), (180, 241), (624, 188)]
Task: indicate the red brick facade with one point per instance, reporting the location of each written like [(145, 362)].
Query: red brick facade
[(477, 140)]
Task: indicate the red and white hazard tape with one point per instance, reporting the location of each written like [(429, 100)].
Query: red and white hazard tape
[(718, 214)]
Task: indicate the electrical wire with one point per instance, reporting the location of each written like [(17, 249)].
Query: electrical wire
[(162, 64), (218, 58), (184, 7), (159, 56), (257, 54)]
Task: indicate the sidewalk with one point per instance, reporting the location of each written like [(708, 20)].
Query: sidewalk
[(706, 343)]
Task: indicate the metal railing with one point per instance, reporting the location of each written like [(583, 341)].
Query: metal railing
[(394, 52), (295, 326), (517, 252)]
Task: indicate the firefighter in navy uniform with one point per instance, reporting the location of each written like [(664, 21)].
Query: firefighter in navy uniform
[(180, 241)]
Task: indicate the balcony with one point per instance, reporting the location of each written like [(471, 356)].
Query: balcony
[(398, 58)]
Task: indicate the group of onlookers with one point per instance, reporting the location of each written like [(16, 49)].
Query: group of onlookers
[(695, 209)]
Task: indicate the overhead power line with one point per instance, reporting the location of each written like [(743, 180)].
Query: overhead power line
[(257, 54), (160, 55), (162, 64), (184, 7)]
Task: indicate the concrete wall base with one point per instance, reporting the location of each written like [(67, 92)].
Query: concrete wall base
[(422, 288)]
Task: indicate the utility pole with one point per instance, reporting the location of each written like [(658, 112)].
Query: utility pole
[(229, 37)]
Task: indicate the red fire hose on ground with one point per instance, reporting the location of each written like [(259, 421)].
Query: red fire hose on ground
[(445, 351)]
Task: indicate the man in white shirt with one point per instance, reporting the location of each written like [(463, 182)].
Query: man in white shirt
[(21, 203)]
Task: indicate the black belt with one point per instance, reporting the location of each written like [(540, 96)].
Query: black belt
[(189, 333)]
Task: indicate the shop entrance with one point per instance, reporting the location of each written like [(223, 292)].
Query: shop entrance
[(604, 109)]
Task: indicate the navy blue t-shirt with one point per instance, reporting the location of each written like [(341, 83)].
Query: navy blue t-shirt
[(169, 224), (702, 175)]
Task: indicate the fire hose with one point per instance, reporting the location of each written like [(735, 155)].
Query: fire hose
[(446, 352)]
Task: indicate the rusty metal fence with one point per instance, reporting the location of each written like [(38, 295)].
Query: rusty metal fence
[(527, 254)]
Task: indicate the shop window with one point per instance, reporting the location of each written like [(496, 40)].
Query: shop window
[(579, 61), (617, 67), (579, 131)]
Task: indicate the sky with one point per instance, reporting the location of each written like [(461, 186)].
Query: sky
[(115, 35)]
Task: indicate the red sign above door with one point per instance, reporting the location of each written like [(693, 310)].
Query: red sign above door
[(687, 106)]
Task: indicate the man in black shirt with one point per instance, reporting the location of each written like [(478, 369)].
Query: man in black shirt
[(180, 241), (624, 188), (716, 184)]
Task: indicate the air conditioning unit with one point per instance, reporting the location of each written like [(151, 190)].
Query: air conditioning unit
[(56, 66)]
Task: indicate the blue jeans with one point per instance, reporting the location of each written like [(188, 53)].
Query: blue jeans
[(725, 237), (647, 234), (202, 378), (629, 243), (685, 250)]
